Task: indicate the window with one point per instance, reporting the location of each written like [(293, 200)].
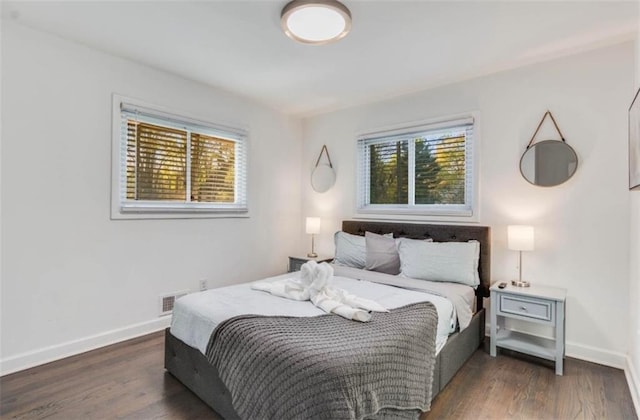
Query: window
[(170, 164), (423, 170)]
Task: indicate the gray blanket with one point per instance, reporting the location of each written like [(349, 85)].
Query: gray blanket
[(328, 367)]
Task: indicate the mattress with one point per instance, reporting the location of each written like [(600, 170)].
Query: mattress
[(195, 316)]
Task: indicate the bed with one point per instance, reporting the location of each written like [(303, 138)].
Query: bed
[(191, 367)]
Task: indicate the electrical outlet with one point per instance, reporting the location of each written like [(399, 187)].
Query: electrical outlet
[(203, 285)]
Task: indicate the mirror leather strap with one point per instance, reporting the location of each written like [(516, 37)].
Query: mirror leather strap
[(325, 150), (538, 129)]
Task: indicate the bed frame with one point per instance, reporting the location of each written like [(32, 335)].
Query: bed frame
[(191, 367)]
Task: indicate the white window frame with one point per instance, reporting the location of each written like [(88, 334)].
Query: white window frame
[(468, 213), (121, 208)]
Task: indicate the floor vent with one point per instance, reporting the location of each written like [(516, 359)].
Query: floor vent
[(167, 302)]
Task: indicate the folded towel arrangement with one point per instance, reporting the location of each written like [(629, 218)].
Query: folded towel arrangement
[(314, 284)]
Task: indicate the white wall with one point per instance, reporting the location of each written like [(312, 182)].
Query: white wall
[(582, 226), (633, 369), (71, 277)]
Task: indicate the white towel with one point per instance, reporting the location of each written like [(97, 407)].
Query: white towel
[(314, 284)]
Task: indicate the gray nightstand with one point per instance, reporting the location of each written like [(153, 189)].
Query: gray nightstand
[(296, 262), (537, 304)]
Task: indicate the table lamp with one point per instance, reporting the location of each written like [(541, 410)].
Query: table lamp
[(312, 228), (520, 238)]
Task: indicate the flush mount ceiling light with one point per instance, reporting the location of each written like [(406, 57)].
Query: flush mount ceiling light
[(315, 21)]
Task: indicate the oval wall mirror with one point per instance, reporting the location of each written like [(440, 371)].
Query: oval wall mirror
[(548, 163), (322, 178)]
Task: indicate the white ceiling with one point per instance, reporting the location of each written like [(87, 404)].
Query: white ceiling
[(394, 47)]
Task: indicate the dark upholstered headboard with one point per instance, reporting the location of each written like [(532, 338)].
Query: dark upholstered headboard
[(439, 233)]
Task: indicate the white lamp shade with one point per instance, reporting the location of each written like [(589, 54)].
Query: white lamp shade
[(313, 225), (520, 237)]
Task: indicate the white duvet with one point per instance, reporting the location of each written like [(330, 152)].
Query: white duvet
[(195, 316)]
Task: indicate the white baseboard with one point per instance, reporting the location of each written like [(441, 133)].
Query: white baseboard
[(59, 351), (633, 379), (589, 354), (596, 355)]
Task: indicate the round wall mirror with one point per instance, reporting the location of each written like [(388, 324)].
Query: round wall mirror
[(322, 178), (548, 163)]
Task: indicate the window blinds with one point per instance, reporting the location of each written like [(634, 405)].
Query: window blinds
[(170, 163), (156, 162), (425, 169)]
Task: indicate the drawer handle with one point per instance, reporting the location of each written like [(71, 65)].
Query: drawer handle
[(522, 308)]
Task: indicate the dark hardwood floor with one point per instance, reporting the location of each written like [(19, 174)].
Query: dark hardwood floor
[(516, 386), (127, 380)]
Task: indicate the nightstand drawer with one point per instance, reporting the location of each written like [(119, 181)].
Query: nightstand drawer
[(527, 307)]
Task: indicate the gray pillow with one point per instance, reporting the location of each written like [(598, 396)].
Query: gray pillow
[(351, 250), (382, 254)]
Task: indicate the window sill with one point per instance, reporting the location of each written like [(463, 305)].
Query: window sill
[(181, 215), (164, 211), (449, 216)]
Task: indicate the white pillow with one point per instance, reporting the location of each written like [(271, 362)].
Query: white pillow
[(351, 250), (455, 262)]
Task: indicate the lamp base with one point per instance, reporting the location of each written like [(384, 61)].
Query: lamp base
[(520, 283), (312, 255)]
